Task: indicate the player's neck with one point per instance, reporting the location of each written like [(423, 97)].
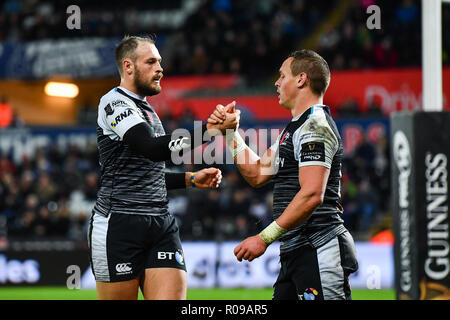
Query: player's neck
[(129, 86), (304, 103)]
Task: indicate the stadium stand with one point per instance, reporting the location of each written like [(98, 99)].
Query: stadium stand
[(223, 36)]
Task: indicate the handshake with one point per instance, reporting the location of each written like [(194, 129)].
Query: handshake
[(223, 118)]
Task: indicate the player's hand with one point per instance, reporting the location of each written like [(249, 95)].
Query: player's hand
[(219, 114), (208, 178), (251, 248), (224, 117)]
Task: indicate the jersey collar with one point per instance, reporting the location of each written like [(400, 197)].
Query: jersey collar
[(310, 111), (132, 94)]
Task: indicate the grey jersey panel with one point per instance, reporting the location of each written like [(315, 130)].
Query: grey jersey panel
[(310, 139), (130, 183)]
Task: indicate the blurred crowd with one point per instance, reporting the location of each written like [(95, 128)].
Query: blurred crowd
[(231, 36), (51, 193), (352, 45)]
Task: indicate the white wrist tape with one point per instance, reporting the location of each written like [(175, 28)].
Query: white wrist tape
[(272, 232), (235, 143)]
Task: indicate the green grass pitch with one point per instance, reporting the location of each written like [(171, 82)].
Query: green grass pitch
[(62, 293)]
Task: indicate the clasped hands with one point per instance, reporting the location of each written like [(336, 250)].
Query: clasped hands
[(223, 118)]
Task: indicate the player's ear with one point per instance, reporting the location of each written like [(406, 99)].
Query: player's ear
[(302, 80), (127, 66)]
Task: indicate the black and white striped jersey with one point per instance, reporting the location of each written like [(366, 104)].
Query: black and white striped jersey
[(311, 138), (130, 183)]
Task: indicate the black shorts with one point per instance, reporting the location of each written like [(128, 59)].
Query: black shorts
[(122, 246), (322, 273)]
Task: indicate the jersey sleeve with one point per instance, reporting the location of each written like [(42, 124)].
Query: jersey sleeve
[(315, 142), (116, 117)]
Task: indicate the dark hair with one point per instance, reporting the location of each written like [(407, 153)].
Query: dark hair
[(315, 67), (127, 47)]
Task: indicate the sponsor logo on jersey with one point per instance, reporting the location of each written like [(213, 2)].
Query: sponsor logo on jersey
[(313, 151), (118, 103), (121, 116)]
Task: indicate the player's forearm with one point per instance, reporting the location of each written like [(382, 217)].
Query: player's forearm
[(299, 209), (247, 161), (142, 141), (249, 166), (297, 212)]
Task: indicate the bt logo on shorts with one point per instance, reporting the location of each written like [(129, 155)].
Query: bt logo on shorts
[(123, 268), (163, 255)]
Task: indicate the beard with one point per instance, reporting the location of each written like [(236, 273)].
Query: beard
[(143, 88)]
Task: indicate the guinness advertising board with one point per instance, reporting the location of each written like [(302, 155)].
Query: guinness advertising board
[(420, 155)]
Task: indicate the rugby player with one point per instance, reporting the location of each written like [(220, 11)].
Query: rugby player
[(133, 239), (317, 252)]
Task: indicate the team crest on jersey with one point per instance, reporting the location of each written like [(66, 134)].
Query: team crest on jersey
[(109, 110)]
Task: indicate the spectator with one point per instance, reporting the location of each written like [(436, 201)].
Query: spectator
[(43, 224), (62, 225), (384, 55), (45, 189)]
